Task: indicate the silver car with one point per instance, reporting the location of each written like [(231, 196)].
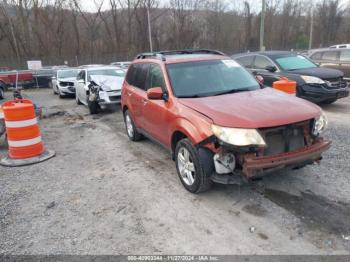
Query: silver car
[(99, 87), (63, 82)]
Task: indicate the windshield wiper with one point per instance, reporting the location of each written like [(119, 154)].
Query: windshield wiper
[(232, 91)]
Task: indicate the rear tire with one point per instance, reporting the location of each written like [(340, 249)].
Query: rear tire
[(131, 129), (195, 169)]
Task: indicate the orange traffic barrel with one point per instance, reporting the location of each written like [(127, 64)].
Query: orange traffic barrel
[(23, 133), (285, 85)]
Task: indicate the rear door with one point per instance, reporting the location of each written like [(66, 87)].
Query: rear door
[(345, 63), (137, 91), (155, 112)]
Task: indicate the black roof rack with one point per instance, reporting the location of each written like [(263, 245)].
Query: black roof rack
[(161, 55)]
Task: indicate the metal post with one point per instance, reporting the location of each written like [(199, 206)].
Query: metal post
[(149, 28), (262, 25), (16, 80), (311, 28)]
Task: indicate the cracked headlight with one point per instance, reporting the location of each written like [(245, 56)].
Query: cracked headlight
[(312, 80), (320, 124), (238, 136)]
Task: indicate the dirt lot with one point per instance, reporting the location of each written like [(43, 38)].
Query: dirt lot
[(102, 194)]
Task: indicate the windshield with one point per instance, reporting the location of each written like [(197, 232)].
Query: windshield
[(67, 73), (106, 72), (208, 78), (295, 63)]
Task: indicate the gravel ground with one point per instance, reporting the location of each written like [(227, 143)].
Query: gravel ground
[(102, 194)]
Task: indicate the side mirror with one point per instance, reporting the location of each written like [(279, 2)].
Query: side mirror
[(260, 79), (155, 93), (81, 81), (271, 68)]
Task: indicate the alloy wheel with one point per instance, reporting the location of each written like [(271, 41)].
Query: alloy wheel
[(186, 166)]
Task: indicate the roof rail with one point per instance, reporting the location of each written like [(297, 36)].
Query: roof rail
[(161, 55)]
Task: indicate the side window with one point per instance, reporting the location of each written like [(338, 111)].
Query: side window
[(316, 56), (345, 56), (80, 75), (140, 76), (155, 77), (245, 61), (330, 55), (130, 77), (261, 62)]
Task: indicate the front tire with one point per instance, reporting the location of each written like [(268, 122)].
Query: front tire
[(93, 106), (131, 130), (194, 166)]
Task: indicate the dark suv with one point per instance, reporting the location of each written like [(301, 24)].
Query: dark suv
[(316, 84), (217, 121)]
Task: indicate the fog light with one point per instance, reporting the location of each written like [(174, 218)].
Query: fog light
[(225, 163)]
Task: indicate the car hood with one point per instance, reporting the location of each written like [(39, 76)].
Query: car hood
[(108, 82), (254, 109), (320, 72)]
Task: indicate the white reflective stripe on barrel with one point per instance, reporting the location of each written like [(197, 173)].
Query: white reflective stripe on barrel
[(24, 123), (21, 143)]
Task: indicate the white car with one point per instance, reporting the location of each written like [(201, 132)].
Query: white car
[(99, 87), (63, 82)]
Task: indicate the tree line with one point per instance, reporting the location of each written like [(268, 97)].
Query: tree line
[(56, 31)]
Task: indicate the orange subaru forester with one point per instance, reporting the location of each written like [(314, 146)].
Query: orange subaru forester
[(217, 121)]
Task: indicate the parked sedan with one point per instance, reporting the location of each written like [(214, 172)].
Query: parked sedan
[(99, 87), (319, 85), (334, 58), (63, 82)]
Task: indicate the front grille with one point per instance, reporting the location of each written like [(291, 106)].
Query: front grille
[(335, 83), (71, 88), (284, 139)]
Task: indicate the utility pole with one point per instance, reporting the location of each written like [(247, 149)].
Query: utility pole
[(262, 25), (149, 27), (311, 28)]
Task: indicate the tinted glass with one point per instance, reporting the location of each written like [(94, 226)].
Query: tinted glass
[(155, 77), (208, 78), (141, 71), (262, 62), (345, 55), (295, 62), (330, 55), (131, 75), (246, 61)]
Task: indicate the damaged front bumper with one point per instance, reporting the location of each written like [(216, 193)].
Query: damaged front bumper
[(253, 166), (249, 166)]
